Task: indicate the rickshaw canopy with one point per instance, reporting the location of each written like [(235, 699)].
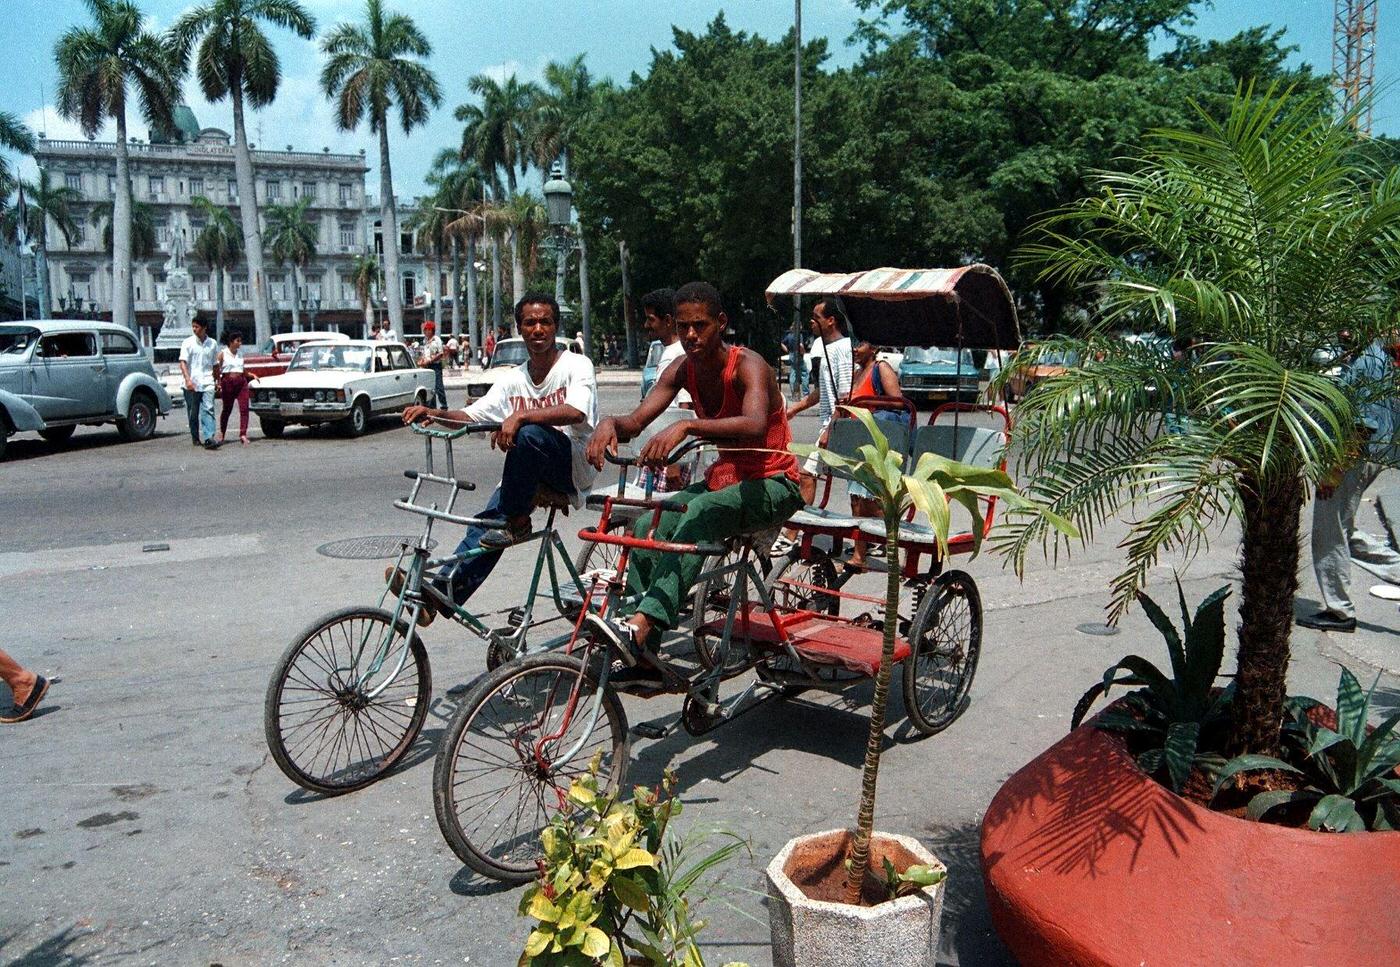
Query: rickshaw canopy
[(967, 306)]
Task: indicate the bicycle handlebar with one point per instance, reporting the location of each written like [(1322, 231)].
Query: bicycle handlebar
[(619, 460), (444, 434)]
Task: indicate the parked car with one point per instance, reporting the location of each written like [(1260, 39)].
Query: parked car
[(56, 375), (935, 375), (652, 365), (1051, 364), (270, 360), (509, 354), (347, 382)]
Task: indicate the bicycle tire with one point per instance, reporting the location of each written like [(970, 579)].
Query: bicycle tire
[(313, 663), (510, 856), (946, 641)]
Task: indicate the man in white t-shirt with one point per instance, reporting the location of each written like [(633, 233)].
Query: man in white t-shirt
[(431, 358), (659, 320), (199, 365), (547, 408), (831, 379), (384, 333)]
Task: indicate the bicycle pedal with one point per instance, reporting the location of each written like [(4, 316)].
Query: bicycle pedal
[(647, 730), (516, 617)]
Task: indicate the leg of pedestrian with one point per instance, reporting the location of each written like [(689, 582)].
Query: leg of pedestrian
[(27, 688), (206, 417), (1333, 518), (192, 413)]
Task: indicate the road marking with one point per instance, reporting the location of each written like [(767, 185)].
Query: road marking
[(102, 556)]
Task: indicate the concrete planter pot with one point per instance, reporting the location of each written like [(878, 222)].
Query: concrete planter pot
[(1090, 863), (817, 933)]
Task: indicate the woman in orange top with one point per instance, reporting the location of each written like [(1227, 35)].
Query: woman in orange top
[(874, 377)]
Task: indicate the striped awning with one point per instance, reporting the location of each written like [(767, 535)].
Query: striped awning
[(969, 305)]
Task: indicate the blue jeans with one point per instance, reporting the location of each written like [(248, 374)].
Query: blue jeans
[(199, 407), (541, 455), (439, 389)]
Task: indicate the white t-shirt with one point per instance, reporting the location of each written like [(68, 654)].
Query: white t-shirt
[(199, 359), (669, 355), (432, 347), (385, 335), (835, 361), (229, 361), (570, 381)]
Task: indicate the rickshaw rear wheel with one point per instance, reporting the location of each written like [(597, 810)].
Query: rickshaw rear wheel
[(491, 795), (946, 641), (325, 729), (710, 604)]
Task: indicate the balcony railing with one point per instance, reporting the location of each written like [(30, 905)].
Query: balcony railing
[(197, 150)]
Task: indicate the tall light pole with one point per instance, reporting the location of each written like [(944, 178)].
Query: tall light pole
[(799, 358), (559, 203)]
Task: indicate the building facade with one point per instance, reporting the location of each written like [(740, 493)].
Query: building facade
[(166, 176)]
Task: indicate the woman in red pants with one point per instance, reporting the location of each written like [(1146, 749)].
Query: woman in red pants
[(233, 386)]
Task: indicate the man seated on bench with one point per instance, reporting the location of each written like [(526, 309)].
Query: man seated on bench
[(751, 486), (550, 391)]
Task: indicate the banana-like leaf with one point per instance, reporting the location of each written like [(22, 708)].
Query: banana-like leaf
[(930, 498)]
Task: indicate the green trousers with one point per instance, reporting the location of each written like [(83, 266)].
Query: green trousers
[(745, 507)]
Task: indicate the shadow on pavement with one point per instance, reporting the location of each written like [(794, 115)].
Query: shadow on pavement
[(53, 952)]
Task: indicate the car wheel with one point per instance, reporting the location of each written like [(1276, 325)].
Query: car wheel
[(57, 434), (420, 398), (140, 420), (4, 436), (358, 420), (272, 429)]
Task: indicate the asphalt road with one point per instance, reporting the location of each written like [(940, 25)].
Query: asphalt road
[(142, 820)]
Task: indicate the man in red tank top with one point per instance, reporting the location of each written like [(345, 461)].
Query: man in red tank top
[(751, 486)]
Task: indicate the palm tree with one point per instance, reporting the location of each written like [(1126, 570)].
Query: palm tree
[(141, 234), (14, 136), (372, 68), (1262, 237), (429, 223), (44, 202), (236, 60), (291, 238), (96, 66), (459, 188), (528, 222), (560, 110), (496, 135), (365, 274), (217, 246)]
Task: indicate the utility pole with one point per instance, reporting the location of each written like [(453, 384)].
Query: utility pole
[(799, 357), (1354, 59)]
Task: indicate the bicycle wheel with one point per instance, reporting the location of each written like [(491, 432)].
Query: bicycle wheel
[(787, 590), (596, 556), (710, 607), (946, 638), (331, 724), (491, 792)]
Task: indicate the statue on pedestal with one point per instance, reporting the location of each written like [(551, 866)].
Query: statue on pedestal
[(179, 303)]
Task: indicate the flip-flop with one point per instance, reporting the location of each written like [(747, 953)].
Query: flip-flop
[(21, 712), (1386, 592)]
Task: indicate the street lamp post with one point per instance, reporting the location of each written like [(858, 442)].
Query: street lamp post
[(559, 203), (313, 305)]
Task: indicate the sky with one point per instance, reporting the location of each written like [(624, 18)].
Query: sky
[(618, 36)]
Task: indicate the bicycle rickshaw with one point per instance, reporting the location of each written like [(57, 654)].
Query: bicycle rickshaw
[(531, 725)]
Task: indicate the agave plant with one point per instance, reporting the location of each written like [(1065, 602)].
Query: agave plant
[(1350, 773), (933, 485), (1171, 714)]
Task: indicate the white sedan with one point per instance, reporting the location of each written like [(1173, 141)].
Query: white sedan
[(347, 383)]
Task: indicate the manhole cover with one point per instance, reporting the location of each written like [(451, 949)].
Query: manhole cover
[(368, 548), (1095, 628)]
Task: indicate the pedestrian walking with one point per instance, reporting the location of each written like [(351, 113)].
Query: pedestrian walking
[(431, 358), (1334, 535), (199, 365), (233, 386), (27, 689)]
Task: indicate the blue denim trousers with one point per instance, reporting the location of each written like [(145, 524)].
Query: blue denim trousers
[(199, 408), (541, 455), (439, 388)]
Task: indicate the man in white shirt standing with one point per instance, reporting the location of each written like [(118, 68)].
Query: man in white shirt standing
[(384, 333), (547, 408), (659, 320), (199, 365), (831, 383), (433, 352)]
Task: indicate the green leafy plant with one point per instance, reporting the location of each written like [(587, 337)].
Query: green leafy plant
[(935, 483), (1349, 773), (1169, 715), (911, 880), (616, 884), (1261, 234)]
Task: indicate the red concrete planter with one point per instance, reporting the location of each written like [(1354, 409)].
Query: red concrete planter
[(1087, 861)]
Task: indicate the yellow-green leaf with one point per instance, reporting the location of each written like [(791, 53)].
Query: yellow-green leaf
[(537, 942), (633, 858), (631, 893), (542, 910), (595, 943)]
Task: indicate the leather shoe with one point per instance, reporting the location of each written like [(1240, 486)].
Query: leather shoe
[(434, 603), (1327, 621)]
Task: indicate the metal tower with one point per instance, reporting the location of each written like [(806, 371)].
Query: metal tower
[(1354, 58)]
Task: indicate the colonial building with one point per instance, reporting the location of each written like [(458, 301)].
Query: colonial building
[(192, 161)]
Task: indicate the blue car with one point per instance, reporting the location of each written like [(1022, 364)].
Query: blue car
[(651, 366), (938, 376)]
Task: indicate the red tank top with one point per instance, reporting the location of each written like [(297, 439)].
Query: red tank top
[(751, 462)]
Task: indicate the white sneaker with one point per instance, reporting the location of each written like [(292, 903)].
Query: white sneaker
[(782, 547)]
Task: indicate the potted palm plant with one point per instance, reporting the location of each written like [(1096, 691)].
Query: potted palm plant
[(884, 904), (1267, 244)]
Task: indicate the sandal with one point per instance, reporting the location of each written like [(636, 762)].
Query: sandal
[(21, 712), (243, 439)]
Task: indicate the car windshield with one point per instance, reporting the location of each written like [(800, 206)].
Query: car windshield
[(654, 354), (938, 357), (1065, 357), (509, 354), (14, 340), (355, 359)]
